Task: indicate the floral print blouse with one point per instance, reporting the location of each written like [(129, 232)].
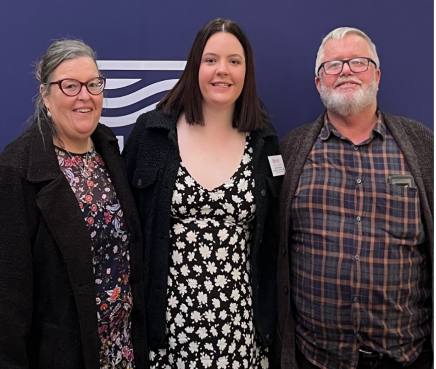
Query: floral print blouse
[(91, 184)]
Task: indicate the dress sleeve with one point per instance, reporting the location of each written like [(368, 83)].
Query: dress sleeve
[(16, 273)]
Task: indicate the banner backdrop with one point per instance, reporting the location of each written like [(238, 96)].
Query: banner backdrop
[(142, 47)]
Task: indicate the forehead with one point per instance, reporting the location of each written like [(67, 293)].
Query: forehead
[(348, 47), (81, 69), (223, 41)]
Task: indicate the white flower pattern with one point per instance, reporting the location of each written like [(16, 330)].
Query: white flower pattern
[(209, 312)]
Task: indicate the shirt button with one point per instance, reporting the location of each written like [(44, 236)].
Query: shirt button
[(356, 148), (285, 290), (139, 182), (357, 257), (284, 250), (267, 337), (358, 219), (355, 299), (359, 181), (262, 193)]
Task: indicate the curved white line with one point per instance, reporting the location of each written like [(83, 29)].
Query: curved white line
[(126, 120), (120, 102), (141, 64), (114, 83)]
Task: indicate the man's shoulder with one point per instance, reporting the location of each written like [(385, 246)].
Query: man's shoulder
[(307, 131), (297, 132), (416, 132), (407, 123)]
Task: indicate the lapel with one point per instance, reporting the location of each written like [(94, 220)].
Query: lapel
[(294, 167), (397, 130), (261, 147), (396, 127), (106, 145)]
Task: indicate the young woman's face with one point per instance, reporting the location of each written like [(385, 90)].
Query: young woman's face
[(222, 70)]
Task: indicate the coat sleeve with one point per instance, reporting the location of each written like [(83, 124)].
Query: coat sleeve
[(16, 273)]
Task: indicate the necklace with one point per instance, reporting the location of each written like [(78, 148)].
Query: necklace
[(85, 164)]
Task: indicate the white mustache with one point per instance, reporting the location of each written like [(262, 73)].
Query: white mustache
[(346, 79)]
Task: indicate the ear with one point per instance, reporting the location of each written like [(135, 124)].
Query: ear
[(42, 90), (318, 83), (377, 77)]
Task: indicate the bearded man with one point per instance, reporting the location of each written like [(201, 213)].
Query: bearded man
[(355, 280)]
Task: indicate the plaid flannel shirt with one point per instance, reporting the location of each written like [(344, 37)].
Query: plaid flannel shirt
[(360, 275)]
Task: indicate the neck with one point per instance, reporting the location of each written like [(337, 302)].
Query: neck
[(75, 146), (218, 119), (357, 127)]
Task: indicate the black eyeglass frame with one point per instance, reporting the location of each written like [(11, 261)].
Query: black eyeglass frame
[(59, 83), (347, 61)]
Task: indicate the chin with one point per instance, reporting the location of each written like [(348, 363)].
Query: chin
[(86, 129)]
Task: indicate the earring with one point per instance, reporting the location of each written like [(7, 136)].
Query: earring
[(48, 113)]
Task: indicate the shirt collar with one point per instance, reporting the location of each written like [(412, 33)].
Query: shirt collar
[(328, 128)]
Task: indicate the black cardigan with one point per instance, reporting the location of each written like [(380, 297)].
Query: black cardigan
[(152, 158), (48, 316)]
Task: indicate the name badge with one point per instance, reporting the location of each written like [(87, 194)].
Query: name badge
[(277, 165)]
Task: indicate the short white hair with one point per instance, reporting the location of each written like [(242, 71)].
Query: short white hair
[(339, 34)]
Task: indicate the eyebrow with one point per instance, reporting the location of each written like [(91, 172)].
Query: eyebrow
[(231, 55)]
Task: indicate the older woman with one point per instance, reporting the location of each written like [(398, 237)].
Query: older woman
[(206, 194), (70, 258)]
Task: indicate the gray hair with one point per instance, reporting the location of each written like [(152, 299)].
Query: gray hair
[(339, 34), (57, 53)]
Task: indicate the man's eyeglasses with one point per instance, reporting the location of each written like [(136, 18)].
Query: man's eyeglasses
[(72, 87), (356, 65)]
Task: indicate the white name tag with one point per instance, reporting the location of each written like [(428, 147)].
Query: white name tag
[(277, 165)]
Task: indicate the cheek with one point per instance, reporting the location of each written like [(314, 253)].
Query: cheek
[(60, 108), (202, 76), (98, 102), (240, 78), (329, 83)]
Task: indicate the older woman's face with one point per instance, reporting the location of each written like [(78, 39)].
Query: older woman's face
[(75, 117)]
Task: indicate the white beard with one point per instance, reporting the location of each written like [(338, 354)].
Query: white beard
[(346, 106)]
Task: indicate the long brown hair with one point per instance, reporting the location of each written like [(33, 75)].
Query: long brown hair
[(186, 95)]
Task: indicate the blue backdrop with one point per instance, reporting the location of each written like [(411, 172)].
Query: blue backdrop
[(149, 42)]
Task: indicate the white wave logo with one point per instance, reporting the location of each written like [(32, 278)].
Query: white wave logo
[(147, 92)]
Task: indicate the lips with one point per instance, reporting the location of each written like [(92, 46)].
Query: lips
[(221, 84), (347, 81)]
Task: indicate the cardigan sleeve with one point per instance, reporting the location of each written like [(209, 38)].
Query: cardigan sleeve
[(16, 273)]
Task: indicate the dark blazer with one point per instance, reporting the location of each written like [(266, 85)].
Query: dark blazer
[(415, 142), (152, 157), (48, 316)]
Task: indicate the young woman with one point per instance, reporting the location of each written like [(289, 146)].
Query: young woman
[(203, 184)]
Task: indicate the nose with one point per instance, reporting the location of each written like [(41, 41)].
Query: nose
[(222, 68), (346, 68), (84, 93)]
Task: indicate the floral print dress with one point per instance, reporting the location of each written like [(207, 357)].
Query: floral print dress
[(209, 313), (104, 219)]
